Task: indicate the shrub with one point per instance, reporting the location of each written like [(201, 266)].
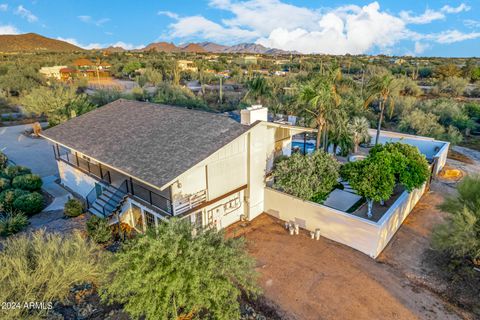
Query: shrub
[(29, 204), (73, 208), (4, 184), (29, 182), (460, 236), (8, 196), (3, 160), (43, 267), (99, 230), (11, 172), (11, 223), (307, 176), (172, 274)]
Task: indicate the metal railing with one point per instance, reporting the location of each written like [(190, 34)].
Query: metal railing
[(149, 196), (114, 200)]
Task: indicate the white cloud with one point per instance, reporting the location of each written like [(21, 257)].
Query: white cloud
[(90, 46), (3, 7), (460, 8), (345, 29), (427, 17), (452, 36), (421, 47), (26, 14), (89, 19), (8, 29), (470, 23), (168, 14), (198, 26)]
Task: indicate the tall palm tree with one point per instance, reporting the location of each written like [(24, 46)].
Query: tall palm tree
[(381, 88), (320, 98), (358, 128), (258, 89)]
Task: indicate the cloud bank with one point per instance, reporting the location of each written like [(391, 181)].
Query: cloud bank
[(345, 29)]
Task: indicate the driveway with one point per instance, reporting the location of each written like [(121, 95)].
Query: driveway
[(36, 153)]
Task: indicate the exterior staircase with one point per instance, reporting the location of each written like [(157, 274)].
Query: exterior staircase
[(106, 202)]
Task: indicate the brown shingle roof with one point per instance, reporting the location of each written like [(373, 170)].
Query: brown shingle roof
[(152, 142)]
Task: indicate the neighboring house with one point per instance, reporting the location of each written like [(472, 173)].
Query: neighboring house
[(52, 72), (92, 70), (142, 162), (187, 65)]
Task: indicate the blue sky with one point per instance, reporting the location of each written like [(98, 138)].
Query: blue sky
[(408, 27)]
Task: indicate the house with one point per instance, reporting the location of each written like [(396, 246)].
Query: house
[(52, 72), (187, 65), (90, 69), (142, 163)]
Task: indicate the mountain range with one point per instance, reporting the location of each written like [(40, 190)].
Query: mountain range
[(32, 42)]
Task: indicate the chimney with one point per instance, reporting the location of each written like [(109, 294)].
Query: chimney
[(254, 113)]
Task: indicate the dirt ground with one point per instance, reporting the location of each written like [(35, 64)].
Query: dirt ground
[(310, 279)]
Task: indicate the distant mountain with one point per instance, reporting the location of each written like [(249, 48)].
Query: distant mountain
[(213, 47), (161, 47), (33, 42), (112, 49), (193, 47)]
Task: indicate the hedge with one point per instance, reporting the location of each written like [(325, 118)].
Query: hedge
[(8, 197), (73, 208), (11, 172), (11, 223), (98, 229), (30, 182), (4, 184), (29, 204)]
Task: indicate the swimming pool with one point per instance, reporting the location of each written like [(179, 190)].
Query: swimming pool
[(309, 147)]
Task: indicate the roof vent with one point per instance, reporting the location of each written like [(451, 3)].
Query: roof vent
[(254, 113)]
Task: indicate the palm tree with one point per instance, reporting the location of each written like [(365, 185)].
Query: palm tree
[(259, 89), (359, 130), (381, 88), (320, 98)]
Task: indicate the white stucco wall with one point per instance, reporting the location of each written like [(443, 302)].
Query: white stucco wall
[(363, 235), (74, 179)]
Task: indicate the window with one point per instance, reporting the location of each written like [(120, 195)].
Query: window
[(137, 219), (149, 219)]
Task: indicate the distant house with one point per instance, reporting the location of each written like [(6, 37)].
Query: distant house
[(67, 74), (92, 70), (187, 65), (52, 72), (144, 163)]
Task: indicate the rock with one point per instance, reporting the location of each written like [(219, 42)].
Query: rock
[(84, 310)]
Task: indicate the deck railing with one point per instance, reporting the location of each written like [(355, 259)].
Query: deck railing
[(191, 201)]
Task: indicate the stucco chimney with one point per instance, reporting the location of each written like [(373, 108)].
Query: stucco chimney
[(252, 114)]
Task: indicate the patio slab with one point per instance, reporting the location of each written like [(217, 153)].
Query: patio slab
[(341, 200)]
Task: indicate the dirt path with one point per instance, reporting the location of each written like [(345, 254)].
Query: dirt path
[(324, 280)]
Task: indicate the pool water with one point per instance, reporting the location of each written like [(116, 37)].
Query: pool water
[(309, 147)]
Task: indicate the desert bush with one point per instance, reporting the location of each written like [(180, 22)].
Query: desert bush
[(73, 208), (460, 236), (3, 160), (11, 172), (29, 204), (453, 86), (30, 182), (170, 273), (307, 176), (43, 267), (8, 197), (12, 222), (98, 229), (4, 184)]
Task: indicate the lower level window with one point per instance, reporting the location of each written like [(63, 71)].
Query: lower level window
[(149, 219)]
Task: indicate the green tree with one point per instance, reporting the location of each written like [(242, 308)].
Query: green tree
[(59, 103), (170, 272), (372, 178), (258, 90), (381, 88), (460, 235), (309, 177)]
